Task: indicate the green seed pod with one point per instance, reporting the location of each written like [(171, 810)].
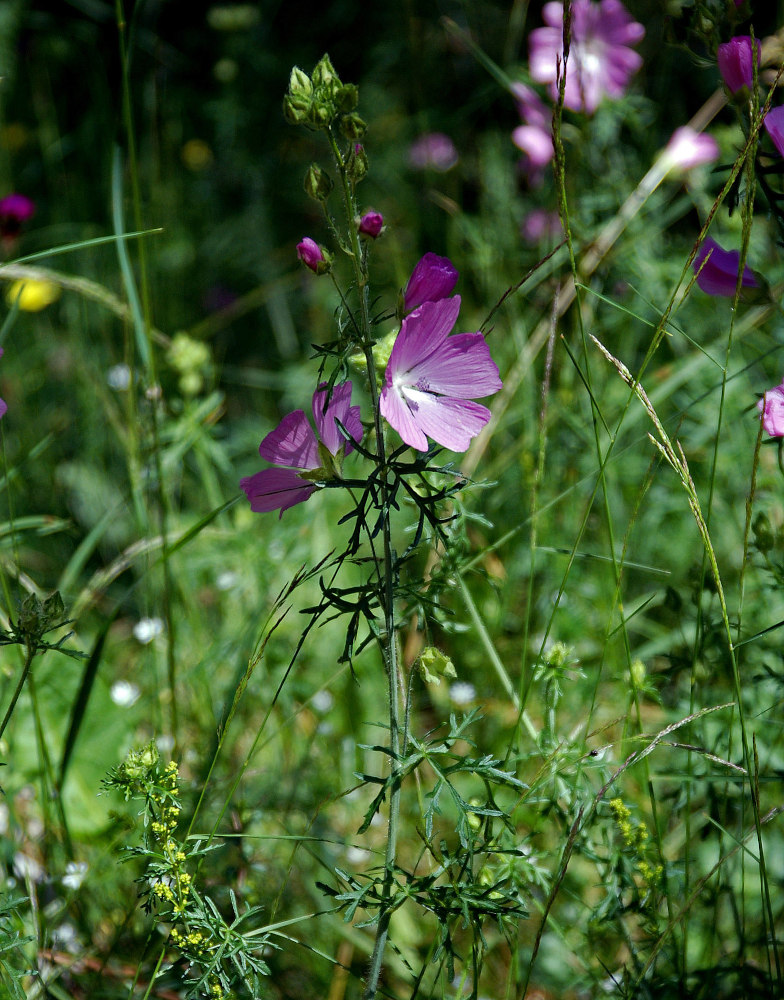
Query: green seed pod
[(352, 126), (357, 165), (297, 110)]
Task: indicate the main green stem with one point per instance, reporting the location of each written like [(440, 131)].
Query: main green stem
[(388, 642)]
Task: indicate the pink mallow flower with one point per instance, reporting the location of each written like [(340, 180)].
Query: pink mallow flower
[(771, 408), (719, 275), (3, 404), (433, 151), (432, 279), (306, 458), (600, 58), (431, 378), (688, 148), (735, 62), (774, 125), (534, 136)]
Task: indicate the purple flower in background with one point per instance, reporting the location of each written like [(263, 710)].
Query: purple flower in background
[(433, 151), (431, 378), (771, 408), (312, 256), (688, 149), (600, 59), (371, 224), (3, 404), (14, 210), (719, 275), (533, 137), (541, 226), (735, 62), (294, 446), (774, 124), (432, 279)]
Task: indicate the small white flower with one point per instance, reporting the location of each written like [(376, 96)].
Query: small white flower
[(462, 693), (75, 874), (26, 868), (146, 629), (227, 580), (322, 700), (124, 693), (119, 377)]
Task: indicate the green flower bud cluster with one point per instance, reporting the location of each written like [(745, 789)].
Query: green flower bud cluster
[(191, 360), (37, 617), (635, 838), (322, 100)]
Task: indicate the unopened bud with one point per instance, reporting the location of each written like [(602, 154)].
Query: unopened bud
[(299, 83), (325, 78), (357, 165), (347, 97), (371, 224), (318, 183), (352, 126), (296, 110), (313, 256)]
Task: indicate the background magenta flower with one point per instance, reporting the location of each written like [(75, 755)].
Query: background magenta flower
[(719, 275), (294, 446), (534, 136), (541, 225), (688, 148), (771, 407), (14, 210), (431, 378), (774, 124), (433, 151), (735, 62), (432, 279), (600, 59)]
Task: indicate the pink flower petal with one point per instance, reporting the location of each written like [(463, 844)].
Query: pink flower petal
[(771, 407), (273, 489), (449, 422), (462, 367), (422, 333), (338, 408), (397, 414), (292, 443), (774, 124)]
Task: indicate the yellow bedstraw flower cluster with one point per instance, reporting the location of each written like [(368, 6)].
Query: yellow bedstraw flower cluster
[(635, 838)]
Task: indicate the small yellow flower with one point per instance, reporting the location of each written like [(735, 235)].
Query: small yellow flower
[(32, 295)]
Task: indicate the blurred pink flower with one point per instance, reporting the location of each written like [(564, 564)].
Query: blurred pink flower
[(771, 408), (600, 59), (719, 275), (688, 149), (433, 151), (14, 210), (432, 279), (534, 136), (774, 124), (541, 226), (431, 378), (735, 62), (294, 446)]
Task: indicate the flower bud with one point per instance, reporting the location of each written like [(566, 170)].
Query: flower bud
[(296, 110), (320, 115), (318, 183), (347, 97), (771, 408), (352, 126), (313, 256), (371, 224), (299, 83), (432, 279), (357, 164), (325, 78), (736, 63)]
